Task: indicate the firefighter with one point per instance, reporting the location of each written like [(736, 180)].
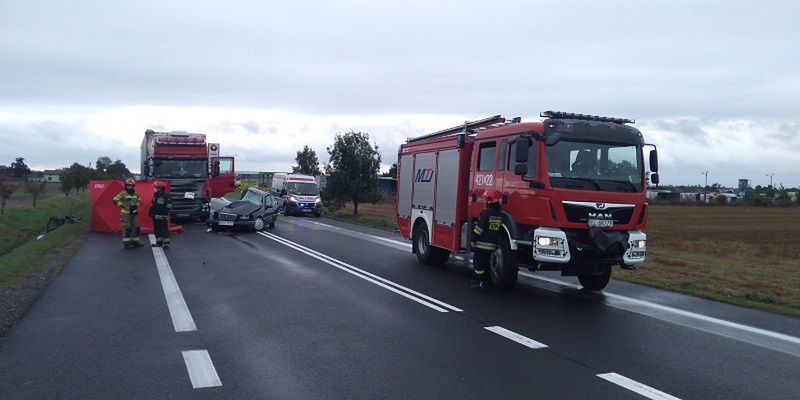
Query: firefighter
[(129, 202), (484, 239), (160, 208)]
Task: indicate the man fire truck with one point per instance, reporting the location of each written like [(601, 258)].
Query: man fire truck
[(193, 168), (572, 194)]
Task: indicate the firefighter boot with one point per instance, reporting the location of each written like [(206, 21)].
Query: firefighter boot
[(479, 284), (165, 243)]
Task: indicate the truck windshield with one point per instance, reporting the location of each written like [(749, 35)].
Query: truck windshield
[(594, 166), (178, 169), (303, 188)]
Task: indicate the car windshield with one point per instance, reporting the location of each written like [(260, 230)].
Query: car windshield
[(303, 188), (178, 169), (595, 166), (252, 197)]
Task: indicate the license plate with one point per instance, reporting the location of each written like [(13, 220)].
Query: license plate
[(306, 210), (600, 223), (225, 223)]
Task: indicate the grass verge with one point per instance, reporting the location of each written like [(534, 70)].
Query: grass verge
[(20, 224), (21, 254), (370, 221)]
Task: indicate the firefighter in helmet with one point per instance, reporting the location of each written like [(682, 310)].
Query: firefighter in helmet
[(128, 201), (159, 212), (484, 239)]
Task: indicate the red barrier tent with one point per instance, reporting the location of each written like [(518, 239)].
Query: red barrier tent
[(106, 214)]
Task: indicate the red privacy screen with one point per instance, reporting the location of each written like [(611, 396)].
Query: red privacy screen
[(105, 214)]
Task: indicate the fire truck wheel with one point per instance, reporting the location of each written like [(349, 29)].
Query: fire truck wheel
[(426, 253), (503, 268), (595, 281)]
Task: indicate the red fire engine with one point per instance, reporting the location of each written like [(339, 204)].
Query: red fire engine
[(573, 190), (193, 167)]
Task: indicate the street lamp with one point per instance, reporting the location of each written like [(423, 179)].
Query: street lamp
[(770, 178), (706, 174)]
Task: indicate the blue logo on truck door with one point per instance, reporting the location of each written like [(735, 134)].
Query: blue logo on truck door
[(424, 175)]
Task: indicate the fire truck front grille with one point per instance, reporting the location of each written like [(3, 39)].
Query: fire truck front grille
[(580, 213)]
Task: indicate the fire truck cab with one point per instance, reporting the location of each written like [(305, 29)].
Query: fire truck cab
[(573, 185)]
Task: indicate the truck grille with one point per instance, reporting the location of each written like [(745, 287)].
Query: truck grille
[(178, 189), (580, 211), (227, 217)]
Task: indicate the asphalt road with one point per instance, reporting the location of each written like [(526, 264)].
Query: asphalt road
[(316, 309)]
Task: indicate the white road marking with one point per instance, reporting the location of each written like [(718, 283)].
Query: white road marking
[(525, 341), (749, 334), (411, 294), (636, 387), (201, 370), (181, 317), (365, 236)]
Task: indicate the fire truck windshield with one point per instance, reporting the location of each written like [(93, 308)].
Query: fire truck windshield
[(181, 169), (595, 166)]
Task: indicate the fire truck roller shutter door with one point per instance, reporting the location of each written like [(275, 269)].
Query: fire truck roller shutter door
[(447, 188), (405, 184), (424, 181)]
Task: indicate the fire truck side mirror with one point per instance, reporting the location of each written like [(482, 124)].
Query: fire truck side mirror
[(654, 160), (146, 168), (654, 178), (523, 145), (521, 169), (460, 139), (216, 167)]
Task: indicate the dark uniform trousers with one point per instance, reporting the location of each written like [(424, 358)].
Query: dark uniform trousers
[(485, 240)]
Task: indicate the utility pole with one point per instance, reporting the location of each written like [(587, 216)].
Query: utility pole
[(706, 174), (770, 178)]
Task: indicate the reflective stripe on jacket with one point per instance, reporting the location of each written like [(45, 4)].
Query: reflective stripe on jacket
[(127, 201)]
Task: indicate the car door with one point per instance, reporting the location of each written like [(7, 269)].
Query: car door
[(270, 206)]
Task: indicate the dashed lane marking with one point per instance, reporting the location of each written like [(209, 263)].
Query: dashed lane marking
[(178, 310), (201, 369), (525, 341), (636, 387), (406, 292)]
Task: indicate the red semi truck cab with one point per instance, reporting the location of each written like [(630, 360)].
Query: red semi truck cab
[(193, 167), (573, 185)]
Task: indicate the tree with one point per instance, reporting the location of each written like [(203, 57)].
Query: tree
[(80, 176), (35, 189), (307, 162), (6, 190), (117, 170), (67, 181), (353, 169), (4, 170), (392, 171), (19, 169), (102, 164)]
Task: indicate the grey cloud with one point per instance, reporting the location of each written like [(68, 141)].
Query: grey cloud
[(618, 57), (252, 127)]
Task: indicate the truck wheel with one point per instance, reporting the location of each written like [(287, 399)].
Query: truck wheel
[(426, 253), (595, 281), (503, 267), (259, 224)]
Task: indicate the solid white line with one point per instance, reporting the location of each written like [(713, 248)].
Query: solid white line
[(342, 266), (642, 303), (746, 328), (371, 275), (181, 317), (201, 370), (636, 387), (525, 341)]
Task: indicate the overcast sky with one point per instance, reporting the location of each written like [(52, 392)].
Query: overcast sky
[(715, 84)]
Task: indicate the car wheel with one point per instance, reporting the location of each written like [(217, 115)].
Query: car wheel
[(259, 224)]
